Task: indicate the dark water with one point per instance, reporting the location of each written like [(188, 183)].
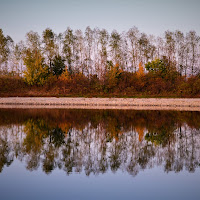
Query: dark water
[(99, 154)]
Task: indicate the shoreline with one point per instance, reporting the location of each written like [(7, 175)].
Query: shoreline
[(182, 104)]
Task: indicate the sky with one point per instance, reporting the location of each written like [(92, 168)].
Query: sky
[(17, 17)]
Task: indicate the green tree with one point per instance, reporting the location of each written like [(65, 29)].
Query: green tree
[(58, 65), (161, 67)]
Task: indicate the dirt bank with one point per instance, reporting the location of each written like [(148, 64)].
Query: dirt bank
[(102, 103)]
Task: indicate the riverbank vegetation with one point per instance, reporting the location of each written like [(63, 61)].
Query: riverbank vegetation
[(98, 63)]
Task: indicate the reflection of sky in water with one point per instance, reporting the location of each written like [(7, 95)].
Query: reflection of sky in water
[(142, 158), (151, 184)]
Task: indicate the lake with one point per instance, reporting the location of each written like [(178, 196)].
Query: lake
[(99, 154)]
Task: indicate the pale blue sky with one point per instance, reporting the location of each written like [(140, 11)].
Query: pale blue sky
[(17, 17)]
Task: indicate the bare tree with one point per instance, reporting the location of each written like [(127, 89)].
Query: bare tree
[(192, 41)]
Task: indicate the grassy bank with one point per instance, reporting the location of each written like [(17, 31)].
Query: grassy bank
[(81, 86)]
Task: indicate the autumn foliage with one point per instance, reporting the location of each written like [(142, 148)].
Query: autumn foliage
[(157, 81), (97, 64)]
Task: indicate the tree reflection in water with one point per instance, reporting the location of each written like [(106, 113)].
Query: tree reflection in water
[(99, 140)]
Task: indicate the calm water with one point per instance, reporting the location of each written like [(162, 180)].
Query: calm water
[(99, 154)]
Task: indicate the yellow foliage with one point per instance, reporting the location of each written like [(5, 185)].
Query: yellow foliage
[(65, 75), (36, 71)]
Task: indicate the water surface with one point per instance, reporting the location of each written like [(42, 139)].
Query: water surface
[(99, 154)]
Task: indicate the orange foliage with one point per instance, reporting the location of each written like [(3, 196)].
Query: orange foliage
[(140, 131), (140, 71)]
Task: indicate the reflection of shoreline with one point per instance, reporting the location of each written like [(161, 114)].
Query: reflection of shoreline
[(178, 108), (102, 103), (95, 151), (98, 140)]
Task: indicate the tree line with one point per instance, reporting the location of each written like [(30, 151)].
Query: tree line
[(102, 58)]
